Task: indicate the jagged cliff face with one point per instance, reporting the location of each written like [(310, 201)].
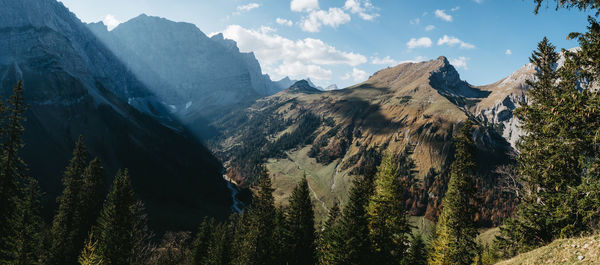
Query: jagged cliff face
[(416, 105), (193, 75), (75, 86)]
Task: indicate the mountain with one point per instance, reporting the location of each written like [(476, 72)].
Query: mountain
[(74, 86), (198, 77), (333, 136)]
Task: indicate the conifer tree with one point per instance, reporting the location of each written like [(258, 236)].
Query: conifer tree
[(455, 229), (354, 224), (91, 195), (417, 252), (330, 240), (219, 248), (282, 238), (29, 225), (255, 245), (388, 225), (202, 240), (11, 172), (301, 220), (66, 233), (89, 254), (116, 241)]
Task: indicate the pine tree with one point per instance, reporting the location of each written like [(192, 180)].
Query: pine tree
[(89, 254), (66, 233), (301, 220), (417, 252), (29, 225), (117, 220), (388, 225), (11, 172), (568, 4), (456, 230)]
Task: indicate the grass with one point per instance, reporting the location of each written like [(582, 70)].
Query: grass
[(563, 251)]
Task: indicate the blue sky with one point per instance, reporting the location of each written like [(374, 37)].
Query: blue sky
[(344, 41)]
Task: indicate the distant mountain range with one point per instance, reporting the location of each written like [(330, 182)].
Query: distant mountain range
[(74, 85), (196, 77), (414, 106)]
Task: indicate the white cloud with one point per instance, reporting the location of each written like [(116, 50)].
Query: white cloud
[(299, 70), (316, 19), (421, 42), (364, 8), (285, 22), (455, 9), (478, 1), (415, 21), (453, 41), (281, 56), (357, 75), (415, 60), (429, 28), (304, 5), (248, 7), (111, 22), (384, 61), (460, 62), (508, 52), (443, 15)]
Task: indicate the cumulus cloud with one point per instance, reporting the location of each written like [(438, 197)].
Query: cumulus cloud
[(460, 62), (284, 22), (357, 75), (304, 5), (384, 61), (443, 15), (248, 7), (415, 21), (508, 52), (299, 70), (364, 8), (111, 22), (317, 18), (285, 57), (417, 43), (453, 41), (429, 28)]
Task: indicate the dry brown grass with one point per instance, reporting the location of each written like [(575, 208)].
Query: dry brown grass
[(563, 251)]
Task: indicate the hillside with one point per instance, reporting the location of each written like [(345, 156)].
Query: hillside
[(584, 250), (335, 135), (75, 86)]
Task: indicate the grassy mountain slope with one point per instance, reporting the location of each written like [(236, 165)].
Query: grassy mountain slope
[(585, 250)]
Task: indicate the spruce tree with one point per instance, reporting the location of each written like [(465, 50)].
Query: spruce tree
[(202, 240), (417, 252), (117, 220), (282, 238), (29, 225), (355, 225), (66, 233), (91, 195), (256, 245), (89, 254), (12, 172), (301, 220), (388, 224), (455, 229), (219, 247), (330, 240)]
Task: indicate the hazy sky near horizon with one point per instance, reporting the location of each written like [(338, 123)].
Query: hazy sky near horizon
[(343, 42)]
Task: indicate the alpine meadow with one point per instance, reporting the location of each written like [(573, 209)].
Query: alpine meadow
[(299, 132)]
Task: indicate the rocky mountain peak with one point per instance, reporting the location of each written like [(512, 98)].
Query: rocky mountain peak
[(303, 86)]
